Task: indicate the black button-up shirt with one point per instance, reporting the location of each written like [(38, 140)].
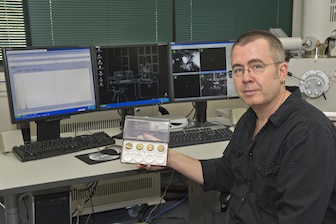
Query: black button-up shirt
[(286, 174)]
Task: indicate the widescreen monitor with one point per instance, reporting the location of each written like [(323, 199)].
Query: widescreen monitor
[(199, 72), (47, 84), (131, 76)]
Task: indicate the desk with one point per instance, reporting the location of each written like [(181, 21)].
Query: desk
[(20, 177)]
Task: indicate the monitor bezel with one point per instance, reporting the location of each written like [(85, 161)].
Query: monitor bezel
[(53, 117), (174, 99), (136, 103)]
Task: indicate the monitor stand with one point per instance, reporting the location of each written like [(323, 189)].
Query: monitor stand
[(25, 129), (201, 114), (48, 129), (123, 114)]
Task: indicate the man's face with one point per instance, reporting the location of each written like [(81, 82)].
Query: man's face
[(258, 90)]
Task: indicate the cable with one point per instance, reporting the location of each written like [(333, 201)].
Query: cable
[(2, 205), (194, 109), (164, 193), (183, 181), (170, 208), (20, 199), (92, 211), (88, 218), (91, 188), (143, 211)]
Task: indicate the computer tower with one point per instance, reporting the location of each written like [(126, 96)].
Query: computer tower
[(50, 206)]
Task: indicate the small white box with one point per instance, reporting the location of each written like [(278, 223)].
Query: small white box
[(233, 114), (10, 139)]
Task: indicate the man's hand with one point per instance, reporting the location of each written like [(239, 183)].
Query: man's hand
[(150, 137), (148, 166)]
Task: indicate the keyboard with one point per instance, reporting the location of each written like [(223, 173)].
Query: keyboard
[(60, 146), (195, 136)]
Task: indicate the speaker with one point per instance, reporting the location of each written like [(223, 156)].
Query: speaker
[(10, 139)]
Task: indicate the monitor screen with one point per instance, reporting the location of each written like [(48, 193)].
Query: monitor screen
[(49, 83), (132, 75), (199, 71)]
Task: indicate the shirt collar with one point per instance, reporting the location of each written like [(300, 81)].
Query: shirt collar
[(289, 106), (283, 111)]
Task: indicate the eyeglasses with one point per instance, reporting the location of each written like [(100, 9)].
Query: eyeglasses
[(256, 68)]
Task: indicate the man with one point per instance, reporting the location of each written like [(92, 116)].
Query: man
[(280, 165)]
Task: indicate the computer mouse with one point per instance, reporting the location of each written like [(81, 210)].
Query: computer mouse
[(106, 154), (111, 150)]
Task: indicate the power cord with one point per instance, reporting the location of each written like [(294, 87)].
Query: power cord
[(168, 209), (91, 189), (163, 195), (21, 199)]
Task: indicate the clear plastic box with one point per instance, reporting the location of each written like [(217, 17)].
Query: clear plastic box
[(145, 140)]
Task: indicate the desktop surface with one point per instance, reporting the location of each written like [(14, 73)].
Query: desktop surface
[(63, 170), (19, 177)]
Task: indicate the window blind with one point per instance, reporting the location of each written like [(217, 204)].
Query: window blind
[(228, 19), (108, 22), (12, 27), (100, 22)]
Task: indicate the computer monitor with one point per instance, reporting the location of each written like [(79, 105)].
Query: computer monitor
[(200, 72), (131, 76), (47, 84)]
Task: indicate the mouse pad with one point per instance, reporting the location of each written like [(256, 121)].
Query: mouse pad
[(87, 158)]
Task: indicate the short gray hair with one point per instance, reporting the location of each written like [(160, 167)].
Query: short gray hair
[(277, 51)]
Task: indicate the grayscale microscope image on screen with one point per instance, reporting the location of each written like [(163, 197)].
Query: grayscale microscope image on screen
[(132, 75), (200, 71)]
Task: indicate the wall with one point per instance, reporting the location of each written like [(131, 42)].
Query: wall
[(5, 124), (297, 18)]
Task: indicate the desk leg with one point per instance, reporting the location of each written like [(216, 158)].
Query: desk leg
[(11, 211)]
